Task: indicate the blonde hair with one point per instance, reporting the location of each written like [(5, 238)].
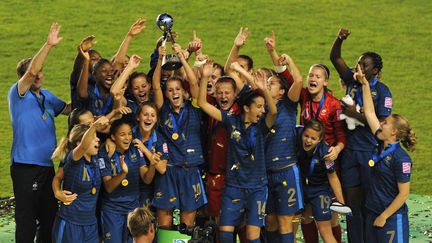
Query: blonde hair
[(69, 142), (139, 221), (406, 134)]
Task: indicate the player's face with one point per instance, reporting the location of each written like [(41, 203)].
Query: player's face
[(86, 118), (122, 137), (211, 89), (310, 139), (368, 67), (243, 63), (174, 93), (273, 85), (140, 89), (94, 58), (387, 129), (37, 83), (225, 95), (147, 118), (105, 75), (256, 109), (94, 146), (316, 80)]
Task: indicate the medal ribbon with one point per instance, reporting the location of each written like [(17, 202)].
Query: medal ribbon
[(41, 104), (359, 93), (151, 141), (117, 160), (312, 162), (91, 175), (106, 105), (176, 122), (251, 142), (321, 104), (390, 149)]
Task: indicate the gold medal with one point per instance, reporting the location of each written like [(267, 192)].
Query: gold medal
[(175, 136), (252, 157), (125, 182), (93, 190), (273, 131), (44, 116), (371, 163)]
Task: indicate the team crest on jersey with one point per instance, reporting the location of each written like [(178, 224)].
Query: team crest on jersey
[(235, 134), (101, 163), (133, 157), (374, 94)]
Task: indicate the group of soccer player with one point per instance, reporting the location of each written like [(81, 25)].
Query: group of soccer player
[(216, 142)]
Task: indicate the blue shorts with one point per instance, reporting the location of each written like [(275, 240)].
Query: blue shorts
[(236, 202), (285, 193), (320, 198), (63, 232), (355, 168), (396, 228), (114, 227), (180, 188), (145, 198)]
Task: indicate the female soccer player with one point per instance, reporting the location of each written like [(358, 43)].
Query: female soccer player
[(76, 221), (387, 212), (246, 181), (320, 181), (181, 186)]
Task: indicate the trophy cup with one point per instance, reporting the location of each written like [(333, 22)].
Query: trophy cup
[(170, 61)]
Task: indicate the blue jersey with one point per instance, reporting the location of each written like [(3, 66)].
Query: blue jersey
[(156, 142), (97, 103), (81, 177), (32, 118), (313, 167), (386, 174), (280, 144), (182, 131), (124, 198), (361, 138), (133, 105), (246, 158)]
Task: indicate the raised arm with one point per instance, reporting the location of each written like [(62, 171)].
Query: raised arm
[(239, 41), (202, 98), (82, 86), (156, 85), (190, 75), (335, 53), (296, 88), (88, 137), (120, 57), (85, 45), (195, 46), (270, 43), (368, 106), (235, 66), (120, 82), (272, 112), (35, 66)]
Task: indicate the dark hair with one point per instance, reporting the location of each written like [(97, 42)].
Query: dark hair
[(227, 80), (133, 76), (218, 66), (22, 66), (376, 59), (248, 60), (74, 117), (316, 126), (99, 65), (117, 123), (283, 82), (92, 51), (248, 97)]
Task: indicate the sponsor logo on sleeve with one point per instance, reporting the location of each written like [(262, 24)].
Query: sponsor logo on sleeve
[(388, 102), (406, 167)]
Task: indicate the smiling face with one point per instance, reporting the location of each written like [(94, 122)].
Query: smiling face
[(147, 118), (122, 137), (174, 93), (94, 146), (255, 110), (310, 139), (388, 131), (140, 89), (104, 75), (211, 85), (86, 118), (275, 88), (317, 80), (225, 95)]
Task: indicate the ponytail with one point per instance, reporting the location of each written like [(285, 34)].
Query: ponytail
[(406, 134), (69, 142)]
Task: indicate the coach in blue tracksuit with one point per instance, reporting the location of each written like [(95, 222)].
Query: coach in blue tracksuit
[(32, 111)]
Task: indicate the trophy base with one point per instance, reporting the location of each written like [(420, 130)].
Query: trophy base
[(171, 62)]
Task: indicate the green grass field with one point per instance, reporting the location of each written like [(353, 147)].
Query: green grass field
[(398, 30)]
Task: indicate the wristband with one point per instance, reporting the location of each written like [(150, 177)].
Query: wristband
[(280, 69)]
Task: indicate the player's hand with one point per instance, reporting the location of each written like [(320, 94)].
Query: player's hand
[(343, 34), (332, 153), (66, 197), (134, 61), (54, 35), (380, 221), (241, 37), (87, 43), (270, 42), (137, 28), (123, 165)]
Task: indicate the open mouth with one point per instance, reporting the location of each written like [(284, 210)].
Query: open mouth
[(109, 80), (313, 84), (224, 102), (307, 146), (142, 96), (209, 86), (148, 123)]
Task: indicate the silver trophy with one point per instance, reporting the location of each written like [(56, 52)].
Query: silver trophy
[(165, 23)]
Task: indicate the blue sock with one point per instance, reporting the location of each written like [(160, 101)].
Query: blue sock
[(273, 236), (226, 237), (287, 238), (257, 240)]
